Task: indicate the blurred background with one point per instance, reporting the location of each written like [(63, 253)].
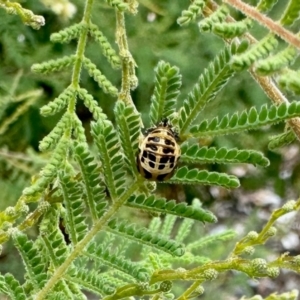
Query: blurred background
[(153, 35)]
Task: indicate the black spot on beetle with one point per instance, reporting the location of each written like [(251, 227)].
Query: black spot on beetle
[(152, 157), (151, 164), (147, 174), (172, 159), (161, 167), (168, 151), (155, 139), (164, 159), (145, 154), (168, 142), (153, 147)]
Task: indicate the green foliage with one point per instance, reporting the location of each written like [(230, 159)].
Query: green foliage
[(87, 238)]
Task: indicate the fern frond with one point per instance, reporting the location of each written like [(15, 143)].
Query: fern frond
[(109, 258), (197, 154), (231, 30), (291, 14), (218, 16), (102, 81), (191, 13), (112, 160), (168, 225), (128, 121), (266, 5), (78, 130), (91, 104), (162, 205), (210, 83), (107, 50), (75, 221), (49, 172), (94, 187), (34, 263), (68, 33), (50, 141), (247, 120), (282, 140), (11, 287), (255, 52), (53, 238), (145, 236), (184, 230), (277, 62), (91, 281), (59, 103), (290, 81), (167, 85), (203, 242), (54, 65), (194, 176)]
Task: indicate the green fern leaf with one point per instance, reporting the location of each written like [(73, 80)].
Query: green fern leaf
[(184, 230), (210, 83), (291, 14), (290, 81), (11, 287), (218, 16), (144, 236), (91, 104), (191, 13), (94, 186), (277, 62), (167, 85), (247, 120), (108, 257), (266, 5), (255, 52), (59, 103), (68, 33), (197, 154), (282, 140), (78, 130), (231, 30), (112, 160), (34, 264), (50, 141), (102, 81), (186, 176), (161, 205), (129, 127), (54, 65), (75, 220), (106, 47)]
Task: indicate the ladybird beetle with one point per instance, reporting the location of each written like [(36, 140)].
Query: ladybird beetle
[(158, 152)]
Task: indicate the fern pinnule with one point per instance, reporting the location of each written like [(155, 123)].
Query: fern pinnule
[(257, 51), (107, 257), (213, 79), (290, 81), (197, 154), (282, 140), (93, 184), (191, 13), (144, 236), (218, 16), (50, 141), (291, 14), (103, 82), (111, 158), (128, 121), (161, 205), (34, 263), (276, 62), (166, 91), (266, 5), (231, 30), (11, 287), (75, 220), (59, 103), (107, 50), (184, 175), (184, 230), (247, 120), (54, 65), (91, 104), (168, 225), (78, 130), (68, 33)]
